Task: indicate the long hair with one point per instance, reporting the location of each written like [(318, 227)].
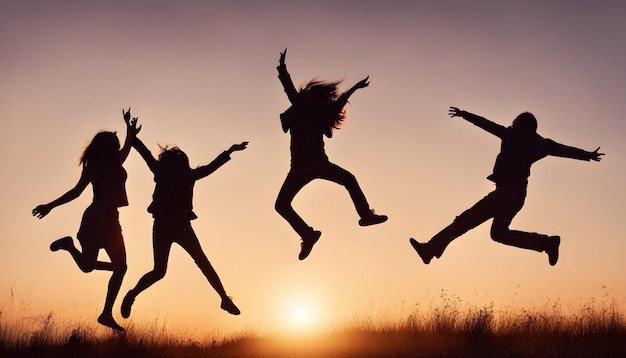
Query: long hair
[(103, 149), (324, 94)]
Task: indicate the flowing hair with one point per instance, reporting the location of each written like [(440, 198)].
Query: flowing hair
[(173, 159), (325, 95), (103, 149)]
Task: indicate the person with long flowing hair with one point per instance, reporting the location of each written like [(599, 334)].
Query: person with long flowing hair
[(99, 229), (317, 109), (521, 147)]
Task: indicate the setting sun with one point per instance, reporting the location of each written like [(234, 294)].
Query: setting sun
[(302, 316)]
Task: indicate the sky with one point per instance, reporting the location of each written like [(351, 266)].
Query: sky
[(202, 75)]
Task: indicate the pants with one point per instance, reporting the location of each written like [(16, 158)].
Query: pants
[(502, 205), (166, 231), (298, 177)]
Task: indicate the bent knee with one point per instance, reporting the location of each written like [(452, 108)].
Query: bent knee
[(86, 265), (158, 274), (348, 180), (282, 206), (278, 206), (121, 268), (499, 234), (87, 268)]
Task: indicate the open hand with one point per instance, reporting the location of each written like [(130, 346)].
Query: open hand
[(131, 123), (41, 210), (238, 147), (596, 156), (132, 127), (126, 115), (363, 83), (455, 112)]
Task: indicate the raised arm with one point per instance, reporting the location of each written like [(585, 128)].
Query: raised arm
[(484, 123), (131, 132), (42, 210), (145, 154), (221, 159), (285, 79), (343, 99)]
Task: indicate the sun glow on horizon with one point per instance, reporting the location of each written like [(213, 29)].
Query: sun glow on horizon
[(301, 316)]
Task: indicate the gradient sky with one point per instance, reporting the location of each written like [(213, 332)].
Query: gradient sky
[(201, 75)]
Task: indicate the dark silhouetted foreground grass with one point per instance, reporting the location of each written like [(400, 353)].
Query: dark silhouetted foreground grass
[(446, 329)]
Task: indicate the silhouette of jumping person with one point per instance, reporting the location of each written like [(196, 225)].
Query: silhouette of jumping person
[(100, 228), (172, 210), (316, 109), (521, 147)]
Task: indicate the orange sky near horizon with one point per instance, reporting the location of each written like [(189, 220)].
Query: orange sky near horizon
[(202, 75)]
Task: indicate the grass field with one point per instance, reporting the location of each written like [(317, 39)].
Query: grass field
[(447, 328)]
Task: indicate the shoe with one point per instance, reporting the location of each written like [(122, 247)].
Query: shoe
[(228, 306), (307, 244), (423, 250), (553, 249), (107, 320), (372, 219), (62, 243), (127, 303)]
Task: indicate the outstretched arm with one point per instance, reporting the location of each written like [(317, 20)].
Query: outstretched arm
[(566, 151), (343, 99), (145, 154), (221, 159), (484, 123), (42, 210), (285, 78), (131, 132), (237, 147)]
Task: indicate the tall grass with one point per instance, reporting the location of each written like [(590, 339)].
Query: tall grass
[(446, 328)]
